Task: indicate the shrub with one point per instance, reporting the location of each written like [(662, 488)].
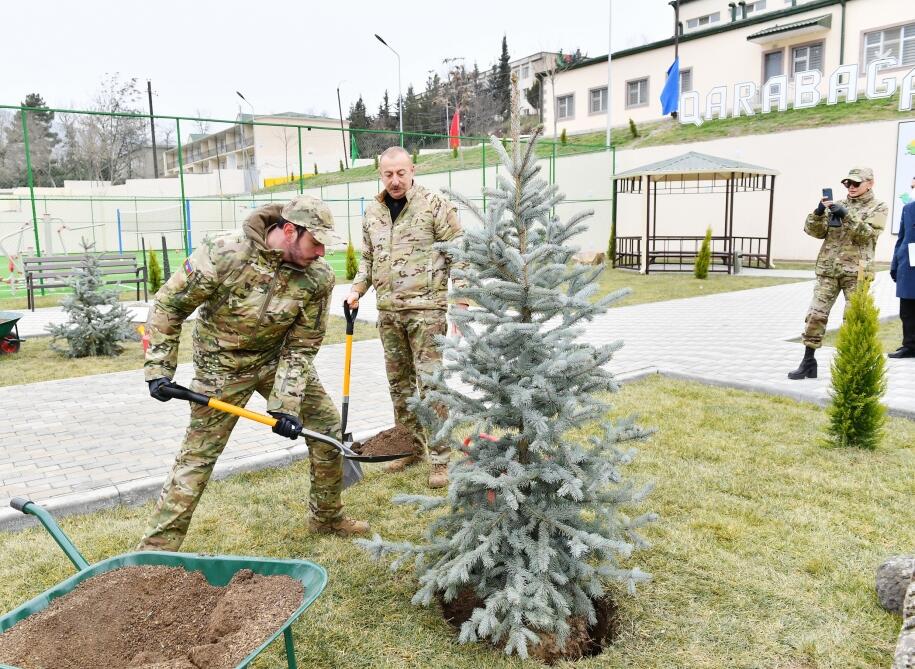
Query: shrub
[(705, 256), (376, 162), (352, 265), (316, 169), (856, 416), (341, 165), (633, 130), (454, 152), (563, 137), (155, 273)]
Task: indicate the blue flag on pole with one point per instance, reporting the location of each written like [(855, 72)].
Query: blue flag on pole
[(670, 95)]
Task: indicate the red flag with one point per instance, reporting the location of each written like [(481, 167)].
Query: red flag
[(454, 140)]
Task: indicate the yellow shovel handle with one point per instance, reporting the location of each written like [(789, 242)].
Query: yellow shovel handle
[(238, 411)]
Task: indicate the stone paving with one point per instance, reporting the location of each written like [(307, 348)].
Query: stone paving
[(85, 443)]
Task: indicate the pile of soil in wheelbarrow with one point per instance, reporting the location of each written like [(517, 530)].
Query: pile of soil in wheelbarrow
[(153, 618), (389, 442)]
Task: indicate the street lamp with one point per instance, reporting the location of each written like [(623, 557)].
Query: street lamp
[(399, 99)]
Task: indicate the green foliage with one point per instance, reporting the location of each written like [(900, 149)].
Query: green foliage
[(415, 155), (856, 416), (375, 158), (341, 164), (454, 152), (352, 265), (533, 94), (704, 259), (563, 137), (155, 273), (316, 169), (633, 130), (91, 330)]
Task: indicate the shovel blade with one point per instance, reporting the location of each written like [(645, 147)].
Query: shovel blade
[(352, 473)]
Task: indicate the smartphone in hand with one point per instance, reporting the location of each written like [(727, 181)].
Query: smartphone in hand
[(827, 194)]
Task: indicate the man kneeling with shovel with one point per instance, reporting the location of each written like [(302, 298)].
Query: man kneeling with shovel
[(263, 294)]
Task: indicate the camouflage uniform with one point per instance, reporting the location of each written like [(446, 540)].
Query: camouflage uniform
[(411, 282), (260, 324), (846, 250)]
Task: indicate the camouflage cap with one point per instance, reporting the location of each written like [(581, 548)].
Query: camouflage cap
[(860, 174), (313, 215)]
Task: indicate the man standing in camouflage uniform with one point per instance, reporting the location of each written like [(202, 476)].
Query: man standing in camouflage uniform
[(849, 230), (410, 277), (263, 294)]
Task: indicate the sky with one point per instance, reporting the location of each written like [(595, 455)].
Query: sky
[(198, 53)]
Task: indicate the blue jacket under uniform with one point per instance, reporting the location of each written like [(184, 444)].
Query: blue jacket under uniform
[(905, 273)]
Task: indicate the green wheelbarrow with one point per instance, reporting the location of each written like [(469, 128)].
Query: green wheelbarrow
[(9, 332), (217, 569)]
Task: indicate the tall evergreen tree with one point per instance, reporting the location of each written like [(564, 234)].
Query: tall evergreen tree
[(359, 120), (533, 522), (42, 142), (503, 80)]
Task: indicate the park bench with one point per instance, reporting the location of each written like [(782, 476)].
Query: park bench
[(55, 271)]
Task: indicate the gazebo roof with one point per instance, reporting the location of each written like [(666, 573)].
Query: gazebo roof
[(700, 166)]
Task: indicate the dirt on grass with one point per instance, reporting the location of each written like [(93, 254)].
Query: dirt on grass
[(153, 618), (389, 442), (584, 640)]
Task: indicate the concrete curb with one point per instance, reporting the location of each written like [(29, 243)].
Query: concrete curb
[(139, 491)]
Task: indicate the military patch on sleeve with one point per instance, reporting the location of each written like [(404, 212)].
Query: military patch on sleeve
[(188, 268)]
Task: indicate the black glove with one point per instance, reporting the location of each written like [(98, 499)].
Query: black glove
[(893, 274), (821, 209), (155, 387), (838, 210), (286, 425)]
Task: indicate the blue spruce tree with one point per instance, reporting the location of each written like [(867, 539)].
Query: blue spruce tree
[(534, 523)]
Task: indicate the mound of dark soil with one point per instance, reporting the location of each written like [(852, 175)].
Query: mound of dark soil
[(389, 442)]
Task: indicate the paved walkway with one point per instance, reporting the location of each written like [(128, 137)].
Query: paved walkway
[(115, 445)]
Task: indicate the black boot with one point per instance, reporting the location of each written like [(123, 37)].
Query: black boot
[(808, 368)]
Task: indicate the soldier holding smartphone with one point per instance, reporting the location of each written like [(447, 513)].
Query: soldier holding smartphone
[(849, 230)]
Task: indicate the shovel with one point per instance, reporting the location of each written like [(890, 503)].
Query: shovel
[(352, 472), (347, 364)]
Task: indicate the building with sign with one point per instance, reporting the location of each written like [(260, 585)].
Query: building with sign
[(724, 44)]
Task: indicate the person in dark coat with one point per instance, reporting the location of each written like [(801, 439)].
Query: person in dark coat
[(903, 274)]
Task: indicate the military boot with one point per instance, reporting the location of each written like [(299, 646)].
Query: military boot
[(438, 476), (345, 527), (395, 466), (808, 367)]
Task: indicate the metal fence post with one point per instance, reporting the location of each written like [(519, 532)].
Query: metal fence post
[(30, 177), (301, 176), (184, 230)]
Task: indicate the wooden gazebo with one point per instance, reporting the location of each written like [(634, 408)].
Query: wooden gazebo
[(700, 174)]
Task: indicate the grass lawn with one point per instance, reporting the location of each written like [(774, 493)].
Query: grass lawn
[(675, 285), (811, 265), (35, 360), (763, 557), (890, 335)]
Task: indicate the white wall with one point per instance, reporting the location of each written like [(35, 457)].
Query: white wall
[(807, 160)]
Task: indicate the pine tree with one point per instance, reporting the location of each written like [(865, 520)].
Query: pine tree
[(352, 264), (633, 129), (704, 258), (856, 416), (97, 321), (533, 522), (155, 273)]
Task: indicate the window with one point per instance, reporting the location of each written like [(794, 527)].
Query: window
[(686, 80), (637, 92), (897, 42), (598, 101), (703, 20), (806, 58), (565, 106), (757, 6), (524, 72), (773, 64)]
